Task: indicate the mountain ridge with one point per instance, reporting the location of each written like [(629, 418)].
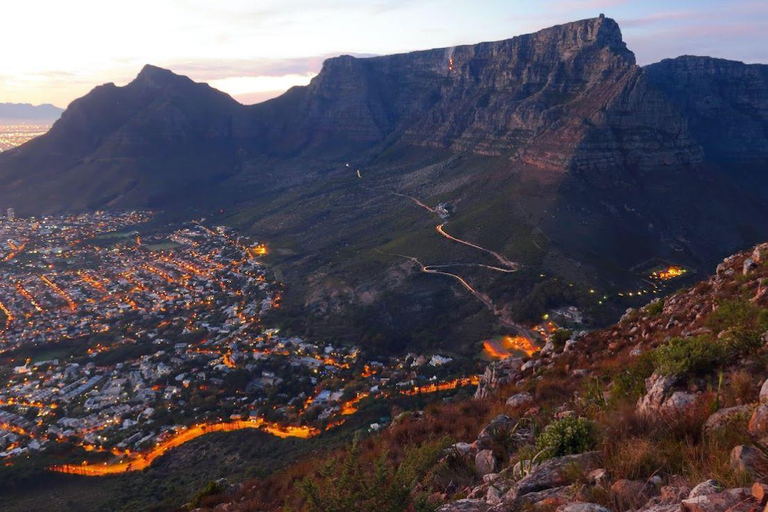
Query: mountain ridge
[(553, 149), (28, 112)]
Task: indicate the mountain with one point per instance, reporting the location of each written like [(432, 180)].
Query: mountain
[(14, 112), (726, 104), (565, 98), (554, 150)]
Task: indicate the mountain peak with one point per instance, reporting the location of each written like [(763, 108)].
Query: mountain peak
[(155, 76)]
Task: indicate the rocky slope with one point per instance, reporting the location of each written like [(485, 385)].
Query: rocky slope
[(619, 419)]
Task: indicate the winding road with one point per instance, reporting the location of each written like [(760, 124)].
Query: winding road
[(508, 267)]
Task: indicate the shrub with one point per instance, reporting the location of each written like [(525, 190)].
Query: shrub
[(656, 307), (567, 436), (560, 336), (689, 356), (629, 383), (739, 315), (211, 489)]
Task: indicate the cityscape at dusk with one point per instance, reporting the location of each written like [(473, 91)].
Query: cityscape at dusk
[(384, 255)]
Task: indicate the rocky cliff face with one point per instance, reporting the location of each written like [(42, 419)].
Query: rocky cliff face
[(566, 98), (726, 103)]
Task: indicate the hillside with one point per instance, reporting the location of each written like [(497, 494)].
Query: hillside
[(552, 149), (663, 411)]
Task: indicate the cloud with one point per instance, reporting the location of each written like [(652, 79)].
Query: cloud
[(216, 69)]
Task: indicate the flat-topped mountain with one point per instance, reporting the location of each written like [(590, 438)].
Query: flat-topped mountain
[(566, 98)]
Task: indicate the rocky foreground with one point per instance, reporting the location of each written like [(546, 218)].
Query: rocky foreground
[(667, 410)]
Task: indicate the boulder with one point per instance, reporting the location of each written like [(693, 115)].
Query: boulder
[(485, 462), (498, 374), (760, 493), (726, 418), (632, 491), (749, 265), (520, 400), (732, 500), (549, 498), (494, 495), (659, 507), (465, 506), (679, 403), (582, 507), (758, 423), (764, 392), (462, 448), (553, 473), (658, 387), (744, 458), (598, 477), (501, 424), (705, 488)]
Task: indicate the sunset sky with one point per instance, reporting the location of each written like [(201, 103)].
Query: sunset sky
[(55, 51)]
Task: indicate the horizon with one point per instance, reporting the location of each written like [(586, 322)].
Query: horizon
[(257, 54)]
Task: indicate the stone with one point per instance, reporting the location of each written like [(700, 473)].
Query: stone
[(553, 473), (731, 500), (598, 477), (658, 387), (760, 493), (485, 462), (582, 507), (655, 480), (547, 498), (502, 424), (680, 402), (706, 487), (749, 265), (462, 448), (744, 458), (520, 400), (764, 392), (726, 418), (490, 478), (466, 505), (758, 423), (656, 507), (494, 495), (631, 490), (498, 374)]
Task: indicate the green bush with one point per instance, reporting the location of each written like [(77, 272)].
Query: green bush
[(739, 315), (567, 436), (560, 336), (629, 382), (696, 355), (349, 483), (654, 308)]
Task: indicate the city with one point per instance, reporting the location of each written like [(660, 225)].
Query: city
[(124, 346)]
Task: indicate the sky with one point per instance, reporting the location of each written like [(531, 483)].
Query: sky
[(54, 51)]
